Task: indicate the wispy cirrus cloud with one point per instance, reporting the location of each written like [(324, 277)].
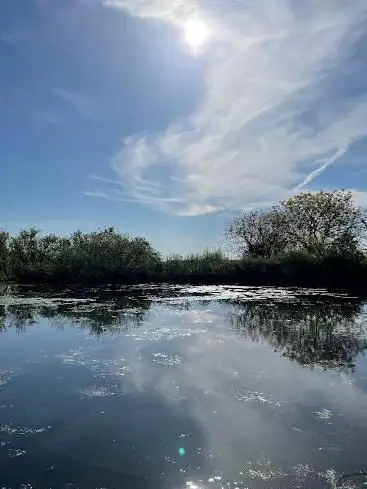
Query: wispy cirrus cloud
[(174, 11), (271, 120)]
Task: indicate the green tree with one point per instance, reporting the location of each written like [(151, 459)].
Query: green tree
[(323, 222), (4, 254), (317, 223), (98, 256), (259, 233), (24, 252)]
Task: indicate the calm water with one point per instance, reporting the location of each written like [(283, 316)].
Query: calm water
[(182, 388)]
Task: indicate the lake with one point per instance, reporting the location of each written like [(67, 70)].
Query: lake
[(182, 387)]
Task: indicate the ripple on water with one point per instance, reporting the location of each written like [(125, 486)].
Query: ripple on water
[(336, 481), (100, 391), (323, 415), (16, 452), (254, 396), (163, 334), (167, 360), (21, 430), (6, 376), (302, 473), (101, 367), (8, 446), (263, 469)]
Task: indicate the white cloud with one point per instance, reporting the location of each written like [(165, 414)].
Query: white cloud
[(267, 124), (174, 11), (98, 194)]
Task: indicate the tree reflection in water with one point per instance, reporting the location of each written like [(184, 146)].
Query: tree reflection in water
[(326, 332), (97, 310), (311, 332)]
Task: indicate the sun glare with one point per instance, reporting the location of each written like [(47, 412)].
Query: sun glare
[(196, 33)]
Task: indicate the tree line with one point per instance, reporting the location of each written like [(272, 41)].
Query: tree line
[(312, 239), (105, 254)]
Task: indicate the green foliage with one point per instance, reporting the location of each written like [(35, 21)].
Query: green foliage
[(208, 267), (323, 222), (4, 255), (100, 256), (317, 223), (259, 233)]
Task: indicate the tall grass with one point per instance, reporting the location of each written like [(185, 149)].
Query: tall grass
[(292, 269), (208, 267)]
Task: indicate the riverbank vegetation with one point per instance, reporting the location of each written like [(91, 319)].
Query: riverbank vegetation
[(312, 239)]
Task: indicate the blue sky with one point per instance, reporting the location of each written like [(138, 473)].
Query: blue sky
[(108, 116)]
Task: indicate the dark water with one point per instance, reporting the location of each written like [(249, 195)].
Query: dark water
[(182, 388)]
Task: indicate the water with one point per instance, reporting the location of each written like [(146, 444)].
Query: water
[(173, 387)]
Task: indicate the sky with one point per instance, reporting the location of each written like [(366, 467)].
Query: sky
[(165, 118)]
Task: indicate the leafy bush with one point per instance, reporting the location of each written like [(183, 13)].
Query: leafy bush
[(100, 256)]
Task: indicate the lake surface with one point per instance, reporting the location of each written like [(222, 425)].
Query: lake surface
[(182, 387)]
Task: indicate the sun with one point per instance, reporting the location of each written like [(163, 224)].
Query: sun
[(196, 33)]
